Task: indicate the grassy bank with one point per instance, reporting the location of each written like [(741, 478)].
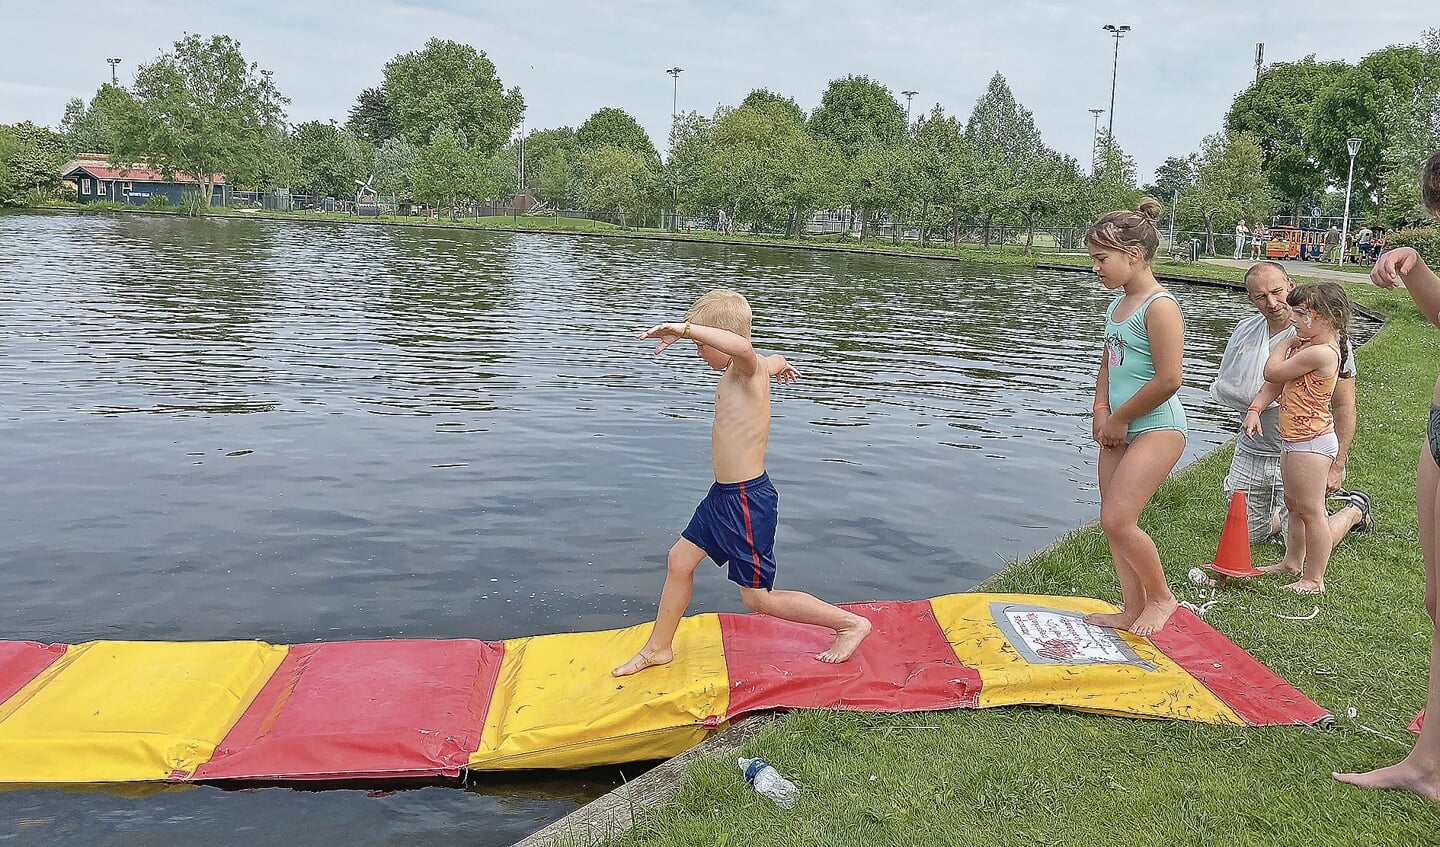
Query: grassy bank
[(1027, 776)]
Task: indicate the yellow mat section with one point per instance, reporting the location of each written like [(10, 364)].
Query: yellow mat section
[(1027, 649), (116, 711), (556, 705)]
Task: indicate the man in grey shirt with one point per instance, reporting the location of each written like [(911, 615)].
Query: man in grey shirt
[(1255, 469)]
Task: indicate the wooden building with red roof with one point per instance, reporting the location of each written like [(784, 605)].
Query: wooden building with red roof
[(95, 179)]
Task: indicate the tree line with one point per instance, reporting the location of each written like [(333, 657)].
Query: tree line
[(441, 129)]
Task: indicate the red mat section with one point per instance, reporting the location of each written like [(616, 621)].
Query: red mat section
[(356, 709), (22, 661), (905, 665), (1254, 691)]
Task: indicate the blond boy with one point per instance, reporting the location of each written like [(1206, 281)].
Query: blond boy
[(735, 524)]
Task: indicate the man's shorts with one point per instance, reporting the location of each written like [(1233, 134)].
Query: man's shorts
[(735, 526), (1259, 477)]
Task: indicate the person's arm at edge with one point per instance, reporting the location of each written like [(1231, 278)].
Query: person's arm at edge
[(780, 368), (1421, 283)]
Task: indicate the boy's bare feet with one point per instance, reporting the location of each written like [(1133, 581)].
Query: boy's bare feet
[(1278, 567), (1306, 586), (846, 640), (1112, 620), (1401, 777), (1154, 617), (644, 660)]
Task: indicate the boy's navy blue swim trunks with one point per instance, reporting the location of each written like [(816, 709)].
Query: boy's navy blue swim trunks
[(735, 525)]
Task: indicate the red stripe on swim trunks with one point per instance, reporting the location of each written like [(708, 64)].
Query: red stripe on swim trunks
[(750, 538)]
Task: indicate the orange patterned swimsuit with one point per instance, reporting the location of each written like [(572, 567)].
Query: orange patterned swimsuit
[(1305, 405)]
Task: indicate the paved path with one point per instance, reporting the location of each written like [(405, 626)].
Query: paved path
[(1296, 269)]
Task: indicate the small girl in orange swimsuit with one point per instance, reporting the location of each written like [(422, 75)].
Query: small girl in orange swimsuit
[(1302, 373)]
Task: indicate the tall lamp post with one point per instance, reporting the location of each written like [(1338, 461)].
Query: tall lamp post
[(1353, 145), (1119, 33), (908, 95), (674, 90), (1094, 137), (674, 113), (113, 60)]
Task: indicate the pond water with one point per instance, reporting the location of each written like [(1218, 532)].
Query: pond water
[(221, 429)]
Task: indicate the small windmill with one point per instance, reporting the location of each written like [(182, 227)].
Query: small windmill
[(365, 190)]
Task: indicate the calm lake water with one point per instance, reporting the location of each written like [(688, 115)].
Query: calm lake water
[(221, 429)]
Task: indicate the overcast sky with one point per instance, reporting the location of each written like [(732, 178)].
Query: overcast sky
[(1179, 67)]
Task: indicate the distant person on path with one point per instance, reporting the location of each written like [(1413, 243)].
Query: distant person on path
[(1332, 245), (1242, 236), (1257, 240), (1419, 771), (1138, 421), (1302, 373), (1255, 466), (1362, 244), (735, 523)]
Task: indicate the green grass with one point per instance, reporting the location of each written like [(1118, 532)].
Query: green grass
[(1026, 776)]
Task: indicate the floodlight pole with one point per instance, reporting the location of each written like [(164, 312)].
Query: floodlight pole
[(113, 60), (908, 95), (1119, 33)]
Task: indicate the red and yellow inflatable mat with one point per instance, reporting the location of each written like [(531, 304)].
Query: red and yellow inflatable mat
[(126, 711)]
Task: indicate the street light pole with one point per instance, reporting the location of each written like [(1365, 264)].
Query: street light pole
[(674, 114), (1353, 145), (1118, 32), (674, 91), (908, 95), (1094, 137), (113, 60)]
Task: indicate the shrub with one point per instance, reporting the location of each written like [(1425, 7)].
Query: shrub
[(192, 202), (1425, 241), (157, 201)]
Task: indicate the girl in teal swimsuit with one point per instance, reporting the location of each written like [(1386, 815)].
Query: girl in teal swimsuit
[(1138, 423)]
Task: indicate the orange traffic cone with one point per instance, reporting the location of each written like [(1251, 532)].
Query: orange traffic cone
[(1419, 721), (1233, 557)]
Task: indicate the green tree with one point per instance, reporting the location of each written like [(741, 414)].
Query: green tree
[(11, 190), (762, 98), (440, 170), (541, 145), (446, 84), (330, 159), (1228, 183), (35, 160), (944, 170), (1370, 101), (88, 129), (200, 111), (371, 118), (616, 179), (395, 168), (1279, 111), (554, 179), (611, 127), (857, 116), (1007, 145), (1112, 180)]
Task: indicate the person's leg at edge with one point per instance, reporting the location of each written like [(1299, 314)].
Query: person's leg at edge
[(674, 597), (1147, 460), (1132, 592), (1419, 771), (799, 607), (1305, 498)]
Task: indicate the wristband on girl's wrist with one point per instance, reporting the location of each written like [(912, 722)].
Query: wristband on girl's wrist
[(1255, 409)]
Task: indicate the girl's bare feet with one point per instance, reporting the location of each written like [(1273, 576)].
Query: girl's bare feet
[(1113, 620), (1153, 619), (1306, 586), (1278, 567), (1401, 777)]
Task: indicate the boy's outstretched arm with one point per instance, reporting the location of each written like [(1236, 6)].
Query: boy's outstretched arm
[(780, 368), (742, 354)]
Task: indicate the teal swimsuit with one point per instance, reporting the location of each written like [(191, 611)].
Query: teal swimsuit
[(1127, 352)]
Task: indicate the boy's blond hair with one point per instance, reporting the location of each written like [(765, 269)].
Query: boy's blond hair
[(724, 309)]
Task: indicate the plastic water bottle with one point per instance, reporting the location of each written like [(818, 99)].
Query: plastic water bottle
[(768, 781)]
